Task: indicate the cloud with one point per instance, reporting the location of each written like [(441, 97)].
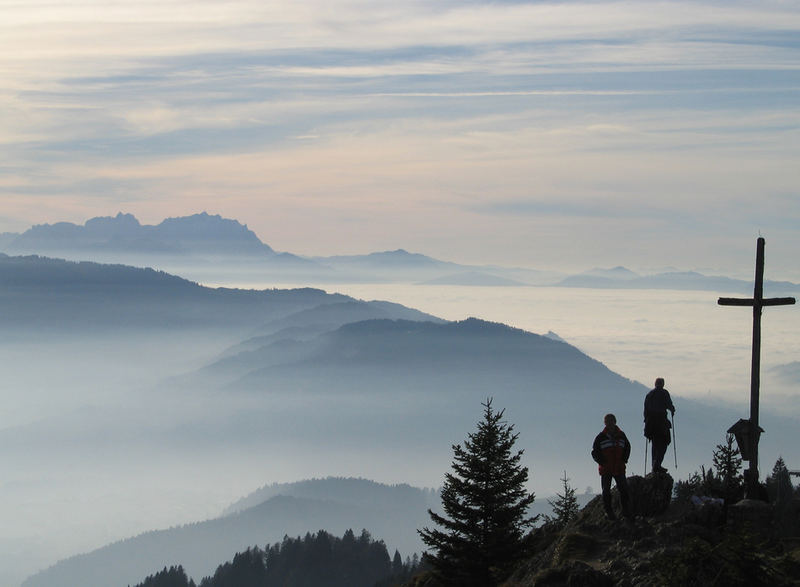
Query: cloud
[(447, 117)]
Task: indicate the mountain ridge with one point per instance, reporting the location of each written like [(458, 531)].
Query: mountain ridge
[(198, 233), (193, 246), (54, 294)]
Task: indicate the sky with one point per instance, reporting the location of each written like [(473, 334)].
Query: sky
[(557, 134)]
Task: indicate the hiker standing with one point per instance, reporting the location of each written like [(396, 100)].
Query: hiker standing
[(611, 450), (656, 424)]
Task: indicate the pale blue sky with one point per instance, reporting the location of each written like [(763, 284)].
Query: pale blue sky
[(544, 134)]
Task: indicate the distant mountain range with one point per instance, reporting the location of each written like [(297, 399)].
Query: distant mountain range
[(199, 233), (621, 278), (474, 278), (188, 242), (212, 249), (386, 260)]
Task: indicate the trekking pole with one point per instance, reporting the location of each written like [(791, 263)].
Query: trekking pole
[(674, 440), (646, 444)]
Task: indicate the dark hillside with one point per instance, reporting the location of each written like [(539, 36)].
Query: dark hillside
[(53, 294)]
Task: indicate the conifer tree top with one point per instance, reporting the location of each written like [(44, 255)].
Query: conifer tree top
[(485, 502)]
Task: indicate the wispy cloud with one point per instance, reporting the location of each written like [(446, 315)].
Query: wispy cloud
[(461, 118)]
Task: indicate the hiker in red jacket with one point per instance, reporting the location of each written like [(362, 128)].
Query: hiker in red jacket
[(611, 450)]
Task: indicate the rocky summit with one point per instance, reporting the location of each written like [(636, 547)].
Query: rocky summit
[(697, 542)]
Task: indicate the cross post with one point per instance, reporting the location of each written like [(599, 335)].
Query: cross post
[(757, 302)]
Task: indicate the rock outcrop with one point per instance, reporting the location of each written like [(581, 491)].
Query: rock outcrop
[(650, 495), (665, 543)]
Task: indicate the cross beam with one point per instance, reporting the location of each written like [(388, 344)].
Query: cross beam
[(757, 302)]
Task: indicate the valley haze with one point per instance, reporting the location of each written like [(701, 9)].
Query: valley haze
[(119, 375)]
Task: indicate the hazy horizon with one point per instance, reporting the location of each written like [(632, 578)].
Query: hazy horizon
[(740, 270)]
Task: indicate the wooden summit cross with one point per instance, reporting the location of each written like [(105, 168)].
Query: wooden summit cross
[(752, 431)]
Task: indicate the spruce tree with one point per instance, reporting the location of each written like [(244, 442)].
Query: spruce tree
[(727, 465), (779, 484), (484, 527), (397, 564), (565, 507)]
